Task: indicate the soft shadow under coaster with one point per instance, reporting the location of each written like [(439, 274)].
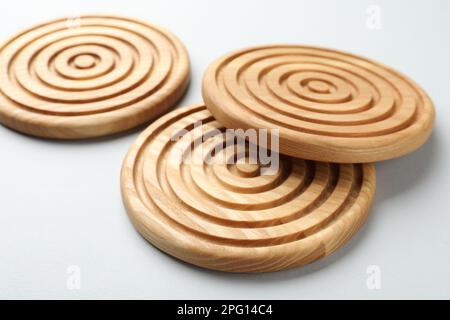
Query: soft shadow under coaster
[(231, 217), (90, 76)]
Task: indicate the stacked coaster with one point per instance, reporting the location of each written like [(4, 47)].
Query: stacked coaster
[(327, 106)]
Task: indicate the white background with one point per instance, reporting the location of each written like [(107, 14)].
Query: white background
[(60, 203)]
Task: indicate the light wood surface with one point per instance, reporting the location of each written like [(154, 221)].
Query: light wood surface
[(95, 77), (328, 105), (230, 217)]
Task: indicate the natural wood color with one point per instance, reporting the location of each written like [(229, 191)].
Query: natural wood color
[(230, 217), (107, 75), (328, 105)]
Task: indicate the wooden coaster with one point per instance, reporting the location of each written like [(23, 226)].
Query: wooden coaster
[(88, 77), (229, 216), (328, 105)]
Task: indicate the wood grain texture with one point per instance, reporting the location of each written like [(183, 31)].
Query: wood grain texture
[(328, 105), (93, 77), (229, 217)]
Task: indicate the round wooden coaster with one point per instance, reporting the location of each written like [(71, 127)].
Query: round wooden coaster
[(328, 105), (89, 77), (228, 215)]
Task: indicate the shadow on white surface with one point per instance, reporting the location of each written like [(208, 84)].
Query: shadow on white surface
[(397, 176)]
